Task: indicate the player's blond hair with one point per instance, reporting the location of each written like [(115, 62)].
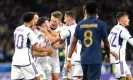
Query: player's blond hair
[(57, 14), (121, 14)]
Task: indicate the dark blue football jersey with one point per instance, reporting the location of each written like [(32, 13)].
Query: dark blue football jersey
[(90, 32)]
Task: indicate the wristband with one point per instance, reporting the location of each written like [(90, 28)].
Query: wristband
[(68, 59)]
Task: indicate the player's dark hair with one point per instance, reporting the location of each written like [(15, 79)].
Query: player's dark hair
[(121, 14), (41, 21), (91, 7), (28, 16), (34, 13), (71, 14)]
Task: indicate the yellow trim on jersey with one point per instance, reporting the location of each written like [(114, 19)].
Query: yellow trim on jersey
[(88, 36)]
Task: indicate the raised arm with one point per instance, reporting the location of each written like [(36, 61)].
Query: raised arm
[(41, 54), (53, 36)]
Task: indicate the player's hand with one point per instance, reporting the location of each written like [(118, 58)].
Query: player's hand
[(106, 59), (115, 55), (68, 66), (42, 29)]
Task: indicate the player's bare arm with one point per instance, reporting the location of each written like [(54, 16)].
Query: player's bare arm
[(76, 48), (53, 36), (59, 45), (106, 47), (114, 54), (42, 49), (111, 52), (41, 54)]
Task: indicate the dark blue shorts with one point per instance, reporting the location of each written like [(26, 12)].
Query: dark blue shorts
[(91, 71)]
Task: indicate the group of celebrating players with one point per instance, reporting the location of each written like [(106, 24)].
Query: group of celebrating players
[(38, 40)]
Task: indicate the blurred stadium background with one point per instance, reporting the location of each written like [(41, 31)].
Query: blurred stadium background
[(12, 10)]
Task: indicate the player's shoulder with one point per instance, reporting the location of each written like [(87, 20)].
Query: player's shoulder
[(119, 27), (80, 23), (19, 28), (72, 26), (100, 23), (28, 30), (64, 27)]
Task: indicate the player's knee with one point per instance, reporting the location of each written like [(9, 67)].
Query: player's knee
[(55, 76)]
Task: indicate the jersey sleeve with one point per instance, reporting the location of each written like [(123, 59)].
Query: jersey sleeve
[(76, 34), (125, 34), (103, 32), (64, 33), (33, 38)]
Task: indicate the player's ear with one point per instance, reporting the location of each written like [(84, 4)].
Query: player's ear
[(122, 19), (85, 13), (97, 16), (69, 18), (31, 22)]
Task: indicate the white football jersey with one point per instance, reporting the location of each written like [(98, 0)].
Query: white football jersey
[(41, 37), (71, 31), (60, 28), (24, 37), (118, 38)]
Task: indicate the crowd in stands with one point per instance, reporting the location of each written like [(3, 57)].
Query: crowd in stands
[(12, 10)]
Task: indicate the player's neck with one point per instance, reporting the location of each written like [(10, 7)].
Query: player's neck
[(72, 22), (27, 24), (88, 15), (53, 28), (91, 16), (120, 23)]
